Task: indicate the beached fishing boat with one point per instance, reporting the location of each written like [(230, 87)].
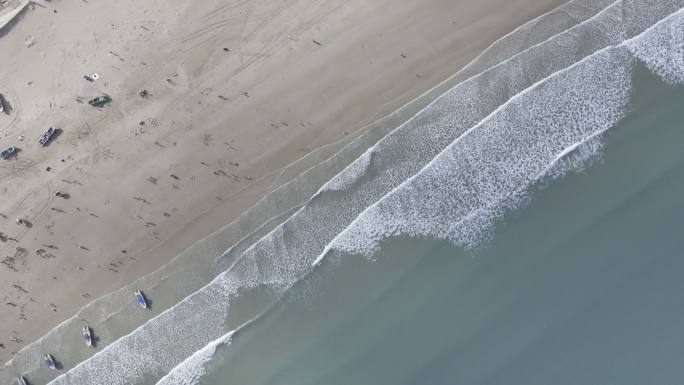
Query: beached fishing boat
[(7, 153), (47, 135), (21, 380), (49, 362), (140, 299), (87, 338)]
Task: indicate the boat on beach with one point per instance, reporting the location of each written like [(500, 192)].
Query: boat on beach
[(49, 361), (8, 152), (87, 338), (140, 299), (46, 136)]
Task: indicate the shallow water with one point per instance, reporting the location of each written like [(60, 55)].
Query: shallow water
[(582, 285)]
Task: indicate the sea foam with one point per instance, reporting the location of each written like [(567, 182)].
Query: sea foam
[(191, 370), (662, 49), (499, 156), (505, 153)]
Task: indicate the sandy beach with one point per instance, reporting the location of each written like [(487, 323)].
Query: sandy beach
[(209, 100)]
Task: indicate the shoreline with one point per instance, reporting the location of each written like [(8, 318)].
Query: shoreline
[(260, 157)]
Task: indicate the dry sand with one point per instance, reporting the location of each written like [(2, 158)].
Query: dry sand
[(238, 89)]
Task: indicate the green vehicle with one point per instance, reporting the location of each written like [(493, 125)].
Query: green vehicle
[(99, 101)]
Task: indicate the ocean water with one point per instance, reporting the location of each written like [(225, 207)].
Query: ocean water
[(516, 223), (581, 286)]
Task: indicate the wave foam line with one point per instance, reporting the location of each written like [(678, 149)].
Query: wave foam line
[(191, 369), (608, 27), (472, 100), (662, 49), (482, 165), (505, 152)]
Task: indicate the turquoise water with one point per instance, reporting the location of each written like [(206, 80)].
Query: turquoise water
[(581, 286)]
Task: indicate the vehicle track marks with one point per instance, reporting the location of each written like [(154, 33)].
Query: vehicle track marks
[(15, 110)]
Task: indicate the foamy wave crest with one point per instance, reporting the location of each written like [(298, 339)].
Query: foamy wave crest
[(575, 158), (501, 155), (407, 149), (478, 227), (498, 159), (355, 170), (536, 31), (662, 49), (177, 332), (191, 370)]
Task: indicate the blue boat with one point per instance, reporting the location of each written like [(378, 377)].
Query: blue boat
[(47, 358), (47, 135), (140, 299)]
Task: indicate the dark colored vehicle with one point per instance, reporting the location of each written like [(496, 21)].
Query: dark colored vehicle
[(99, 101), (9, 151), (47, 135)]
